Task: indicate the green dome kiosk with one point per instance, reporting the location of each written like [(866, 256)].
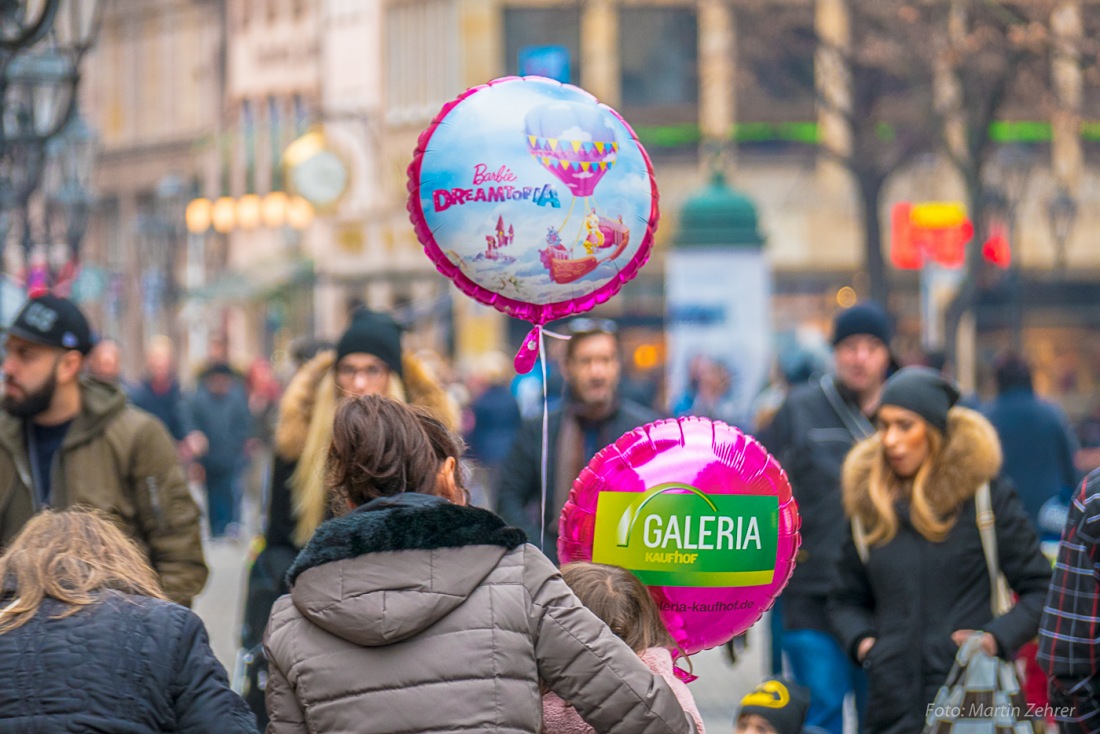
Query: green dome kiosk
[(718, 296)]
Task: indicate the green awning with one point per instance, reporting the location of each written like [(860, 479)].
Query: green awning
[(257, 283)]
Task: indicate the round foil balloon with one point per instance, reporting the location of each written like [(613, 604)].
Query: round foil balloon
[(700, 512), (533, 197)]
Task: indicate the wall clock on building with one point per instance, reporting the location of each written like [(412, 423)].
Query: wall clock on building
[(316, 171)]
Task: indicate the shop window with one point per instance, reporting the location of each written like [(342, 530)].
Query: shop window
[(659, 53), (421, 59), (776, 110), (544, 41)]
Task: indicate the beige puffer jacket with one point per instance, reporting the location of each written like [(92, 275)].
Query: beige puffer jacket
[(415, 615)]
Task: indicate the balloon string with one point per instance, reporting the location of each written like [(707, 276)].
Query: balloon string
[(545, 437), (568, 216), (580, 231)]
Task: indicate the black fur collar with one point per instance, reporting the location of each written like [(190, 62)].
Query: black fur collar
[(405, 522)]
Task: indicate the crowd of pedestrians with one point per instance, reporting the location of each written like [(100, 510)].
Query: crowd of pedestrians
[(385, 580)]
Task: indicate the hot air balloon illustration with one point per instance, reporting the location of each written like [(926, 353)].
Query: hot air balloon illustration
[(576, 142), (573, 141)]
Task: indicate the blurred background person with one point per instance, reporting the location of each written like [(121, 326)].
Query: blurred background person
[(810, 435), (494, 422), (1039, 445), (219, 410), (159, 392), (88, 641), (264, 390), (712, 396), (1039, 449), (104, 362), (592, 416)]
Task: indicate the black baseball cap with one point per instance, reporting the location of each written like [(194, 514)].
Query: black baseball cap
[(54, 322)]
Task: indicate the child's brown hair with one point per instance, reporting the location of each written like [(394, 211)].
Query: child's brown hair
[(616, 596)]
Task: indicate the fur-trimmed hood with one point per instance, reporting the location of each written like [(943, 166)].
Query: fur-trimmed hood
[(426, 556), (297, 405), (971, 456)]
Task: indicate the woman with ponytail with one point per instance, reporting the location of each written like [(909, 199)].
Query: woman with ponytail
[(913, 582)]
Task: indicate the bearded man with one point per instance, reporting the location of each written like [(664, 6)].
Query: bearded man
[(67, 440)]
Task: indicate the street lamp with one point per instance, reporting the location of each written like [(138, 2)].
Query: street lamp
[(67, 183), (172, 195), (1061, 215), (18, 29), (42, 43)]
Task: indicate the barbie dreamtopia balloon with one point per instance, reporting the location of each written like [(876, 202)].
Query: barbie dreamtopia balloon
[(700, 512), (533, 198)]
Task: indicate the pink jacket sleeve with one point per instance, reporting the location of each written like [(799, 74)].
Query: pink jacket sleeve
[(659, 661), (558, 717)]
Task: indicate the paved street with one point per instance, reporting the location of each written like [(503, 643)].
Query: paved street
[(717, 691)]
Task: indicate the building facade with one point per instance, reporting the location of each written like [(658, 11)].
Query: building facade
[(153, 89), (704, 84)]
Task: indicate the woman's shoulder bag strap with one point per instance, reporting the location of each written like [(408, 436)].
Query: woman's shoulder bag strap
[(859, 536), (1001, 600)]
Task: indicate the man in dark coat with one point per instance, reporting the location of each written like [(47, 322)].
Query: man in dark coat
[(1038, 443), (592, 416), (219, 410), (158, 392), (810, 436)]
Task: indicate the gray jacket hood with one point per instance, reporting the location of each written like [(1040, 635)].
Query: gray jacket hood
[(395, 566)]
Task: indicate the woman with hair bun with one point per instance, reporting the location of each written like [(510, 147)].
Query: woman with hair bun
[(417, 613)]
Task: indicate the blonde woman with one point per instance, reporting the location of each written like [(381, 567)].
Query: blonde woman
[(88, 641), (923, 586)]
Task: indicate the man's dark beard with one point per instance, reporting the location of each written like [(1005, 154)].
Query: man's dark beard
[(35, 403)]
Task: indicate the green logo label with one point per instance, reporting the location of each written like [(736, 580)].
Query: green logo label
[(675, 535)]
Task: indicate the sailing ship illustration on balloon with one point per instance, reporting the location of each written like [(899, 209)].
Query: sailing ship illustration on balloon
[(576, 143)]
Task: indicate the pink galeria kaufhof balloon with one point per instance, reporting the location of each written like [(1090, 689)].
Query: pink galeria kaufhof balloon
[(700, 512)]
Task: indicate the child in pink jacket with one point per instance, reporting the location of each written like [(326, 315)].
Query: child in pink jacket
[(618, 598)]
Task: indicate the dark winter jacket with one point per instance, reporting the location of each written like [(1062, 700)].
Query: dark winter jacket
[(519, 486), (125, 665), (912, 593), (415, 615), (226, 422), (121, 460), (1038, 447), (168, 406), (810, 439), (496, 420)]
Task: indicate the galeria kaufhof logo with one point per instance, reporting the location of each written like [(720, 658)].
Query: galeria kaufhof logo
[(676, 535)]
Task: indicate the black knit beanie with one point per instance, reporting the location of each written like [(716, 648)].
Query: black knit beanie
[(780, 702), (867, 317), (923, 391), (374, 333)]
